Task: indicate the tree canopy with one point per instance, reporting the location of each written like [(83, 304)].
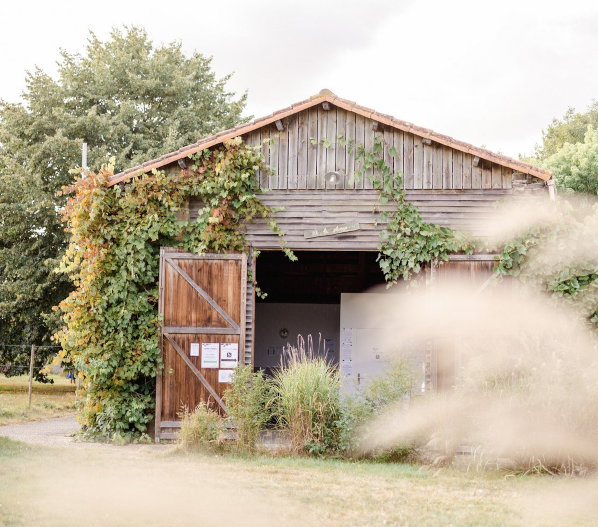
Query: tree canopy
[(570, 150), (575, 165), (126, 98), (570, 129)]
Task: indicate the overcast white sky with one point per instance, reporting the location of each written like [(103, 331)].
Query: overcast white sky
[(490, 73)]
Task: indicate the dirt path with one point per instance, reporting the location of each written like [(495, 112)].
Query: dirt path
[(49, 432), (60, 431)]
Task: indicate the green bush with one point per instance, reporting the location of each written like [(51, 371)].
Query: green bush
[(391, 387), (306, 401), (247, 399), (201, 429)]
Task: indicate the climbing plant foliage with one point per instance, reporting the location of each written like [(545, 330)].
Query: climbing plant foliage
[(110, 332), (408, 242), (559, 255)]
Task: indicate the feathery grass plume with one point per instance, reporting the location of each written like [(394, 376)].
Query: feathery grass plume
[(306, 394)]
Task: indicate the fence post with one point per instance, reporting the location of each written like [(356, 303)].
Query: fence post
[(31, 372)]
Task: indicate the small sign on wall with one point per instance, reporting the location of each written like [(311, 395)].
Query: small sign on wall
[(210, 355), (225, 376), (194, 349), (229, 354), (331, 230)]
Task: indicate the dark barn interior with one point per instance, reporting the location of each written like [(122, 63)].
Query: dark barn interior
[(304, 297)]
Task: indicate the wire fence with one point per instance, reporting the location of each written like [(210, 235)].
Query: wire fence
[(40, 352), (39, 359)]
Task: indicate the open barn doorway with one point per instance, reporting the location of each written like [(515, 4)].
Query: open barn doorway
[(304, 298)]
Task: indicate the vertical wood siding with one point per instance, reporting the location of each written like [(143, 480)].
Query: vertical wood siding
[(317, 141)]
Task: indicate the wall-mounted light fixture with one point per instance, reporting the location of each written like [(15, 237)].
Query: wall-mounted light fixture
[(334, 177)]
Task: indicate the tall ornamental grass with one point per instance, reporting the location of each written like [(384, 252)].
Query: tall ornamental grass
[(306, 399)]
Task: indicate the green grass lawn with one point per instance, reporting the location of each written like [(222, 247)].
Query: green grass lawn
[(48, 400), (148, 485)]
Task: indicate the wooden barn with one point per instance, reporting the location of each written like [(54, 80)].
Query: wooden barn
[(211, 319)]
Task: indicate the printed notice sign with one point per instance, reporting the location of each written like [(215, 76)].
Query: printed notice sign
[(210, 354), (225, 375), (229, 354), (194, 349)]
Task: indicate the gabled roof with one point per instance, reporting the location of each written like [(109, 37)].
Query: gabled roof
[(328, 96)]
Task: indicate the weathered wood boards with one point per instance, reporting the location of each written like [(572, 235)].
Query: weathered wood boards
[(306, 210), (316, 141), (202, 301)]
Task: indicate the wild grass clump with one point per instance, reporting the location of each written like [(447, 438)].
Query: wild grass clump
[(248, 401), (202, 429), (306, 399)]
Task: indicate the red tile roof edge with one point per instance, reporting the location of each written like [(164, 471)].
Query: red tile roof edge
[(328, 96)]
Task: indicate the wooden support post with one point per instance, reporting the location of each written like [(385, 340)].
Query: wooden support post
[(31, 373)]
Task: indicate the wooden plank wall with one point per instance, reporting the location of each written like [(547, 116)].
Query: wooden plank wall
[(309, 209), (317, 141)]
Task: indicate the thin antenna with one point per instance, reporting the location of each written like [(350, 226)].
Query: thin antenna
[(84, 159)]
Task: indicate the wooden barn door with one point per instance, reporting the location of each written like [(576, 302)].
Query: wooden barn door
[(202, 304), (477, 269)]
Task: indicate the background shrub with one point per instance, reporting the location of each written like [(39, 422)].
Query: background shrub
[(247, 399), (385, 390), (201, 429)]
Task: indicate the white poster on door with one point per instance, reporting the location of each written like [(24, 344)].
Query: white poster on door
[(225, 375), (229, 354), (210, 352), (194, 349)]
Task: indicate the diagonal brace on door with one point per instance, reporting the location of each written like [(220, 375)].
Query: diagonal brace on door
[(203, 294), (197, 373)]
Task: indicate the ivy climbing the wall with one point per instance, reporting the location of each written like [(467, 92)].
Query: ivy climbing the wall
[(110, 333), (407, 243)]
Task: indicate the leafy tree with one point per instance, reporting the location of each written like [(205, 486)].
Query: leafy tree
[(575, 165), (127, 99), (570, 129), (30, 236)]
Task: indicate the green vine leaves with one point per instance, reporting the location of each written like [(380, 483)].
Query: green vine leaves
[(110, 321), (407, 243), (558, 256)]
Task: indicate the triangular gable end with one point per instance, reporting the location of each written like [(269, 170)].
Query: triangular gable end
[(324, 99)]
